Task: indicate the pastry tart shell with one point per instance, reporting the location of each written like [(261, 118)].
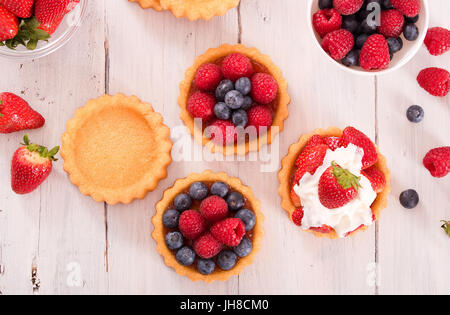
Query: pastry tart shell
[(145, 4), (198, 9)]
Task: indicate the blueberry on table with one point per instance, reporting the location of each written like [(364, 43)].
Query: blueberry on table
[(415, 114), (234, 99), (235, 201), (352, 58), (248, 217), (325, 4), (182, 202), (239, 118), (244, 248), (170, 218), (409, 199), (411, 32), (185, 256), (174, 240), (219, 189), (395, 44), (206, 266), (226, 259), (222, 111), (223, 88), (198, 191), (243, 85)]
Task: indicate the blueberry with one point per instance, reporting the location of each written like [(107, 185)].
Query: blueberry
[(325, 4), (365, 28), (223, 88), (361, 40), (244, 248), (362, 14), (409, 198), (352, 58), (174, 240), (239, 118), (387, 4), (395, 44), (185, 256), (415, 114), (412, 19), (198, 191), (235, 201), (234, 99), (391, 56), (219, 189), (226, 259), (170, 218), (411, 32), (350, 23), (206, 266), (182, 202), (248, 217), (248, 102), (243, 85), (222, 111)]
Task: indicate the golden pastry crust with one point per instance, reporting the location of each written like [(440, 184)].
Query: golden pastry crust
[(198, 9), (288, 165), (116, 149), (182, 185), (279, 117), (145, 4)]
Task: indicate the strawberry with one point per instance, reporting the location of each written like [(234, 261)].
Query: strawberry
[(337, 187), (208, 77), (392, 22), (201, 105), (260, 117), (410, 8), (9, 24), (31, 165), (438, 40), (333, 142), (264, 88), (376, 178), (236, 66), (352, 135), (311, 158), (297, 216), (437, 161), (338, 43), (348, 7), (20, 8), (359, 227), (375, 53), (314, 141), (435, 81), (50, 13), (294, 197), (326, 21), (325, 229), (16, 114)]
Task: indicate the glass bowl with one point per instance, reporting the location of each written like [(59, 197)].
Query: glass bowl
[(68, 27)]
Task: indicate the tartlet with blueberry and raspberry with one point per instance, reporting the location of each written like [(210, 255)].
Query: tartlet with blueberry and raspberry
[(334, 182), (234, 99), (208, 226)]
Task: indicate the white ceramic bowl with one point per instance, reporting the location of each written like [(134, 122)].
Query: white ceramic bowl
[(410, 48), (63, 34)]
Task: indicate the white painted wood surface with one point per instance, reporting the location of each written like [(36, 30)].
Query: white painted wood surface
[(58, 234)]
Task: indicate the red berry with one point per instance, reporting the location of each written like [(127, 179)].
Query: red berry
[(264, 88), (222, 132), (236, 66), (20, 8), (229, 231), (201, 105), (326, 21), (208, 77), (325, 229), (260, 117), (9, 24), (338, 43), (347, 7), (376, 178), (314, 141), (207, 246), (435, 81), (392, 22), (16, 114), (294, 197), (359, 227), (214, 208), (311, 158), (410, 8), (297, 216), (352, 135), (333, 142), (438, 40), (375, 53), (437, 161), (191, 224)]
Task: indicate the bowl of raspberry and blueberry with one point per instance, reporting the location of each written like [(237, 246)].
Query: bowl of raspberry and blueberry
[(369, 36), (208, 226), (234, 99)]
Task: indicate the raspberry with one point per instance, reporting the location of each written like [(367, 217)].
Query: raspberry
[(222, 132), (333, 142), (236, 66), (435, 81), (410, 8), (376, 178), (347, 7), (314, 141), (259, 116), (392, 22), (326, 21), (208, 77), (338, 43), (229, 231), (325, 229), (264, 88), (214, 208), (201, 105), (437, 161), (375, 53), (191, 224), (437, 40), (207, 246), (297, 216)]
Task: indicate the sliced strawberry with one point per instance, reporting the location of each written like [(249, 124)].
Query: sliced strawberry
[(333, 142), (325, 229), (352, 135), (295, 198), (297, 216), (376, 178)]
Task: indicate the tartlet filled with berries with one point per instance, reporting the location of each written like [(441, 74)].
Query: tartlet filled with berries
[(334, 182), (208, 226), (234, 99)]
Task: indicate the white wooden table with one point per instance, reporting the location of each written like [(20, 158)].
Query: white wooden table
[(56, 241)]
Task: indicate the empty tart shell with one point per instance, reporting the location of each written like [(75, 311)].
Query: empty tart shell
[(145, 4), (198, 9), (280, 115), (182, 185), (116, 149), (288, 166)]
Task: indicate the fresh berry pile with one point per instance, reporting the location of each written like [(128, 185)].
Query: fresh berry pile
[(218, 233), (337, 186), (26, 22), (350, 32), (231, 96)]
